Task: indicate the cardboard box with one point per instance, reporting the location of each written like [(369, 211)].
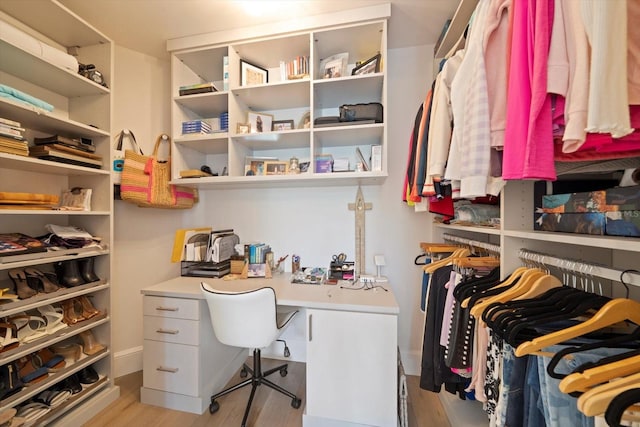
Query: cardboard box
[(592, 201), (623, 223), (580, 223)]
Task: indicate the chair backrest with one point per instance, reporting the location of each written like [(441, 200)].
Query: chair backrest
[(243, 319)]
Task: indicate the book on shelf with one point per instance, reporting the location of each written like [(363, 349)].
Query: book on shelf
[(16, 151), (376, 158), (13, 142), (51, 151), (12, 244), (71, 142), (197, 88), (10, 122), (67, 149), (68, 158), (16, 135), (225, 73), (362, 160), (11, 130)]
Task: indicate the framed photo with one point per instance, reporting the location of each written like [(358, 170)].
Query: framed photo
[(371, 65), (277, 125), (251, 74), (254, 166), (276, 167), (305, 121), (242, 128), (260, 122), (334, 66)]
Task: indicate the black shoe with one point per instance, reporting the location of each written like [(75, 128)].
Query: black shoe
[(88, 375), (86, 270), (69, 273), (71, 383)]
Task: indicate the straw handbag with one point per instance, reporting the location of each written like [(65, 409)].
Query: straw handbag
[(145, 181)]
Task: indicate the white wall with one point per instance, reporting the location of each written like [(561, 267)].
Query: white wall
[(314, 223)]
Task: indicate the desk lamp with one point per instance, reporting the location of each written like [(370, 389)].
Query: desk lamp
[(380, 262)]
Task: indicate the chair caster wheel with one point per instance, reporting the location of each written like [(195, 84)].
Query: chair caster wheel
[(287, 353), (295, 402), (214, 406), (243, 372), (283, 372)]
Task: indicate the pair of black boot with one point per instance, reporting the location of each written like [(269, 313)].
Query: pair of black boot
[(76, 272)]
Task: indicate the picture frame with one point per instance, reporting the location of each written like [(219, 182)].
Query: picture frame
[(243, 128), (276, 167), (334, 66), (260, 122), (251, 74), (279, 125), (305, 121), (371, 65), (254, 166)]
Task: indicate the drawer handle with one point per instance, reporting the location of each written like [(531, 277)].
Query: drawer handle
[(167, 308), (168, 331), (163, 369)]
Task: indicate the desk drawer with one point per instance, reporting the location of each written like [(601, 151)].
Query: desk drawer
[(178, 308), (166, 329), (171, 367)]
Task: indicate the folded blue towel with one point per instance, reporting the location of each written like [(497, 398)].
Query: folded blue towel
[(16, 95)]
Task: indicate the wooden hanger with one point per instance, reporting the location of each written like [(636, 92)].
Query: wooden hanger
[(460, 252), (471, 262), (438, 247), (540, 286), (596, 400), (524, 283), (506, 282), (583, 381), (613, 312)]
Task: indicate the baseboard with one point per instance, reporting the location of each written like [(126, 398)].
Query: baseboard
[(127, 361)]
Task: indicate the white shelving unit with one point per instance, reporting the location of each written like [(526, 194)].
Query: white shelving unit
[(197, 60), (82, 108)]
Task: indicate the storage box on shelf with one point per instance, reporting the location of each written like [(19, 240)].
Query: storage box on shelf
[(279, 96), (81, 109)]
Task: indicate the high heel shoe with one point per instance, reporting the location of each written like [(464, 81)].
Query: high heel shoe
[(70, 316), (19, 278), (87, 271), (45, 283), (88, 310), (89, 344)]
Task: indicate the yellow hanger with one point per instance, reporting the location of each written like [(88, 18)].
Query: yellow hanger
[(438, 247), (583, 381), (615, 311), (540, 286), (524, 283), (470, 262), (460, 252), (512, 277), (596, 400)]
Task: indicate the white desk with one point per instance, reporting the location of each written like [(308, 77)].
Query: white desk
[(351, 349)]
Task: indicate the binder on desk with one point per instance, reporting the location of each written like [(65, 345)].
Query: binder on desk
[(180, 241)]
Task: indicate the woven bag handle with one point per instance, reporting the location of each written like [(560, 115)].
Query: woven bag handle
[(161, 138)]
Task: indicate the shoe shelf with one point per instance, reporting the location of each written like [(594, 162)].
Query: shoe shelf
[(32, 390), (32, 164), (18, 306), (52, 257), (72, 402), (49, 340)]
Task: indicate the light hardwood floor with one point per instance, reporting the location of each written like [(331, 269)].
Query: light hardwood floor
[(269, 409)]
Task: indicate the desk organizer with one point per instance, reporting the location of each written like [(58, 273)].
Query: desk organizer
[(205, 269)]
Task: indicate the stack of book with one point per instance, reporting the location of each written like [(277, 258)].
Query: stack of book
[(197, 88), (66, 150), (224, 122), (196, 126), (11, 139), (256, 253), (295, 69)]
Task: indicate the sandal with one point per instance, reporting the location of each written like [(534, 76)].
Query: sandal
[(29, 372), (10, 339), (32, 411), (44, 282), (70, 351), (6, 294), (48, 359), (53, 398), (70, 316), (91, 346), (88, 310), (54, 317), (19, 278), (30, 328)]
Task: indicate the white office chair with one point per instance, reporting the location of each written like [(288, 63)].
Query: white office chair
[(249, 320)]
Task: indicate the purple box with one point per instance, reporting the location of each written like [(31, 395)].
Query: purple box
[(324, 166)]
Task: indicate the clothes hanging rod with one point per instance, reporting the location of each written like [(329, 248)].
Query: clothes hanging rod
[(464, 241), (630, 277)]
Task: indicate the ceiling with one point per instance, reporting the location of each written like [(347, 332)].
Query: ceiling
[(145, 25)]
